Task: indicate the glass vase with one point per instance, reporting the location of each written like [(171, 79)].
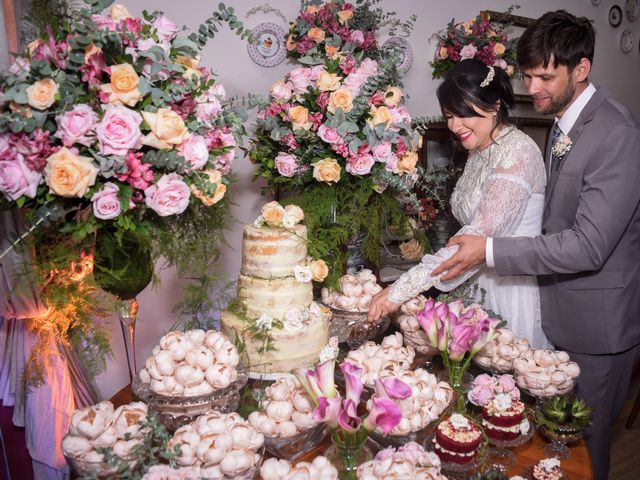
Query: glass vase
[(347, 452), (123, 267), (460, 380)]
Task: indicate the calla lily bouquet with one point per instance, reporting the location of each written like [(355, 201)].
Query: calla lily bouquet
[(458, 332), (341, 412)]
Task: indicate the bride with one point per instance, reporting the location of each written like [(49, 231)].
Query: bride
[(500, 194)]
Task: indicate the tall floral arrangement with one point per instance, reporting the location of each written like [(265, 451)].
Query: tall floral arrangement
[(336, 131), (478, 38), (109, 124)]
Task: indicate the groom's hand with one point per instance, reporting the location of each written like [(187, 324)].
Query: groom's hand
[(471, 252)]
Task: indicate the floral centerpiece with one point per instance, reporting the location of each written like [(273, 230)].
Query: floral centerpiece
[(336, 131), (341, 412), (110, 126), (458, 332), (478, 38)]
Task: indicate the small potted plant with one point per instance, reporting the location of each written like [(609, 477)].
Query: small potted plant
[(562, 420)]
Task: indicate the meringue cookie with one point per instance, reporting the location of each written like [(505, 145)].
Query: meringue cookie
[(75, 446)]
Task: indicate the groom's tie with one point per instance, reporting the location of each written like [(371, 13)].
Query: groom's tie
[(555, 135)]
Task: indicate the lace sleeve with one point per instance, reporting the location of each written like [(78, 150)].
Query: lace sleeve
[(503, 202)]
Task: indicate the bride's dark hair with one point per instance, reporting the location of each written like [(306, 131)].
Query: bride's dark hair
[(469, 83)]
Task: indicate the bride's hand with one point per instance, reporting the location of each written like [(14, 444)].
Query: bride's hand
[(381, 305)]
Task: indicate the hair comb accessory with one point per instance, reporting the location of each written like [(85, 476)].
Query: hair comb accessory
[(489, 77)]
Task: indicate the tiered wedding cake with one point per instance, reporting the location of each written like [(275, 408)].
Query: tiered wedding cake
[(275, 296)]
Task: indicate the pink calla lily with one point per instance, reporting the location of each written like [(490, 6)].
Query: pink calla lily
[(318, 381), (384, 413), (328, 411), (348, 418), (353, 381), (392, 388)]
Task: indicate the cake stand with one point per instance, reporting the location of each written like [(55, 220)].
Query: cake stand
[(560, 436), (353, 328), (460, 470), (503, 459)]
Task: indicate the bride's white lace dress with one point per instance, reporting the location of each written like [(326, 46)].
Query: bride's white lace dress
[(500, 194)]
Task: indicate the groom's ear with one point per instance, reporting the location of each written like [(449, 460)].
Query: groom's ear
[(582, 70)]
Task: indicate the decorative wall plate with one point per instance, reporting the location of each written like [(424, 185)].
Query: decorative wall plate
[(269, 47), (615, 16), (632, 9), (403, 48), (626, 41)]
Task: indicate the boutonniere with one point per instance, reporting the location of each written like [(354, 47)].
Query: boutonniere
[(562, 146)]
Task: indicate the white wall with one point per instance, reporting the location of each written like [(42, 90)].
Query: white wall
[(227, 55)]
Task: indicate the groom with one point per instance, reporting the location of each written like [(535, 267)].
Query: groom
[(588, 257)]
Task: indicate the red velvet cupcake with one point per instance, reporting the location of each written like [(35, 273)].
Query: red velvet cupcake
[(457, 439), (503, 418), (548, 469)]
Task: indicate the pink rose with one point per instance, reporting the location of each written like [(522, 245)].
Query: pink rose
[(218, 91), (391, 163), (360, 165), (300, 79), (77, 126), (507, 384), (468, 51), (17, 180), (7, 150), (314, 72), (106, 204), (281, 91), (207, 109), (381, 151), (500, 63), (481, 395), (354, 81), (484, 380), (223, 162), (357, 37), (328, 134), (166, 28), (170, 196), (286, 164), (119, 130), (195, 152), (369, 67)]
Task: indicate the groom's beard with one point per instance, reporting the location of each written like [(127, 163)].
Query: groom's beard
[(561, 102)]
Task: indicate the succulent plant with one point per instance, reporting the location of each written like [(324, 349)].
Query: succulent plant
[(564, 412)]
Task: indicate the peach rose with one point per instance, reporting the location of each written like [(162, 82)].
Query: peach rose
[(291, 45), (273, 213), (331, 51), (407, 163), (311, 9), (68, 174), (380, 115), (299, 117), (119, 12), (214, 176), (467, 26), (341, 98), (443, 53), (294, 212), (510, 70), (192, 65), (167, 128), (411, 250), (326, 170), (498, 48), (344, 16), (328, 82), (319, 270), (90, 50), (42, 93), (316, 34), (392, 96), (123, 89)]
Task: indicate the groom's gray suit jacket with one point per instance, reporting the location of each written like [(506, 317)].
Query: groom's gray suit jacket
[(588, 256)]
